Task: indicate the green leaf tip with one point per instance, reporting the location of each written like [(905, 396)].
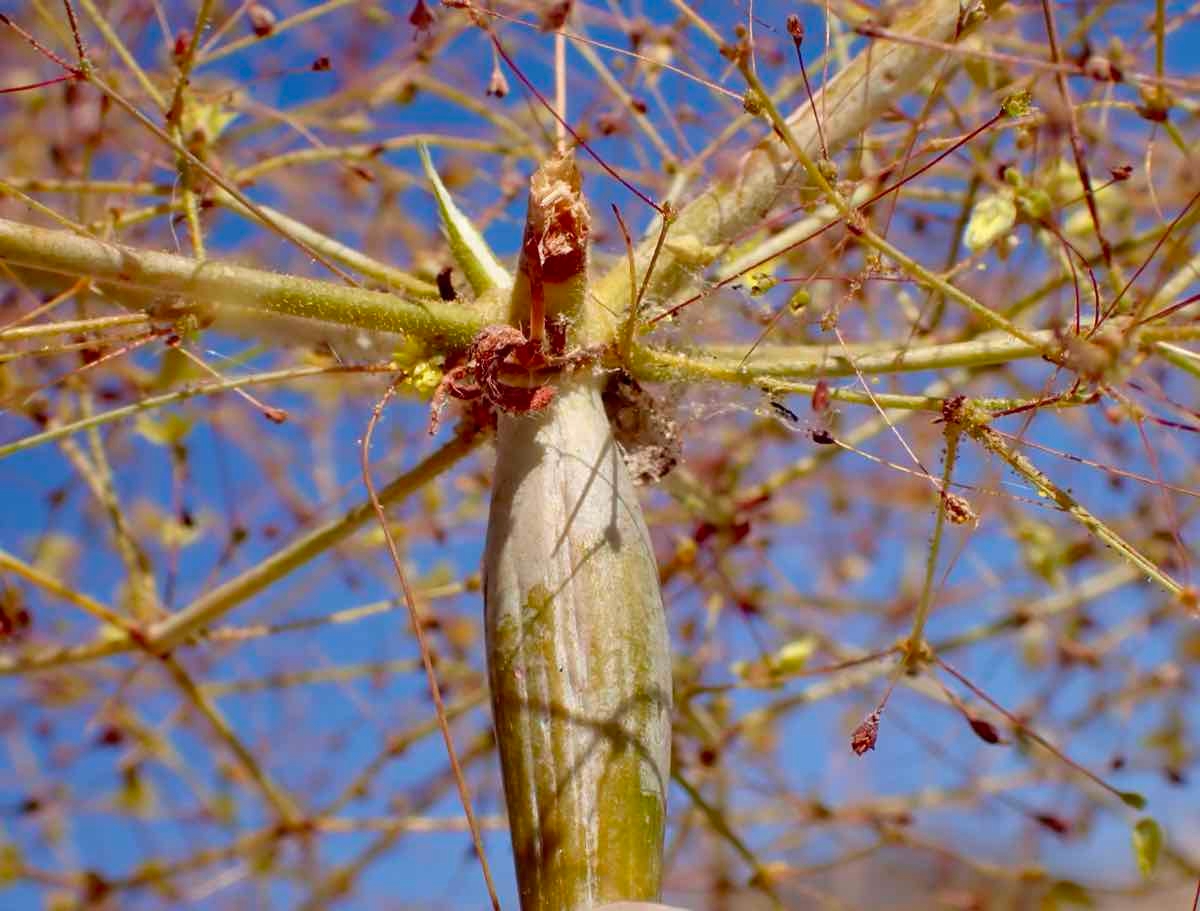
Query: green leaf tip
[(1133, 799), (467, 245), (1147, 845), (1066, 893)]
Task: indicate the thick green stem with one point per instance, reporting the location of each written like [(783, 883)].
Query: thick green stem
[(578, 660), (578, 654)]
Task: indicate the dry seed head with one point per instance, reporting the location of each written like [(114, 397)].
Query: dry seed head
[(498, 83), (559, 225), (958, 510)]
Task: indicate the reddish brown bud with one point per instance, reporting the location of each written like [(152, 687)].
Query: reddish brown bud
[(865, 734), (820, 397), (555, 16), (1055, 824), (985, 730)]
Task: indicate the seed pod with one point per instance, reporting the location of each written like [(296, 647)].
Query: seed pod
[(578, 657)]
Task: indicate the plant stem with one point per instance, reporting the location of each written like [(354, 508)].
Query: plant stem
[(1072, 507), (215, 285), (578, 660), (578, 652), (729, 363), (855, 99), (167, 398), (916, 638)]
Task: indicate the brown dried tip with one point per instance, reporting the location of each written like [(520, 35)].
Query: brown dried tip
[(420, 18), (795, 28), (558, 224), (555, 16), (865, 734)]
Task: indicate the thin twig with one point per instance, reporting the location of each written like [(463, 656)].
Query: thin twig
[(418, 629)]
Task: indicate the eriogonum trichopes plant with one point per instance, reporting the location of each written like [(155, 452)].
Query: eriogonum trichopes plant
[(384, 385)]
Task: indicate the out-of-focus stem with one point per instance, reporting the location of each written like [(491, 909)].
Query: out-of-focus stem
[(853, 100)]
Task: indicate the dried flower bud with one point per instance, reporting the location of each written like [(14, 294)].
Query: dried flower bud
[(985, 730), (555, 15), (958, 510), (183, 38), (1102, 69)]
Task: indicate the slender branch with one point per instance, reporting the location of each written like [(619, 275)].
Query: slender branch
[(283, 804), (728, 363), (168, 398), (861, 228), (32, 574), (1020, 464), (916, 638)]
